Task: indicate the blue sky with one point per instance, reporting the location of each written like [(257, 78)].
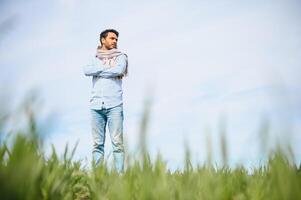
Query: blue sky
[(207, 63)]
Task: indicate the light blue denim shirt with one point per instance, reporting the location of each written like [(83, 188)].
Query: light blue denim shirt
[(106, 86)]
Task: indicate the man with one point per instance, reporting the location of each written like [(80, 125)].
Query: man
[(107, 70)]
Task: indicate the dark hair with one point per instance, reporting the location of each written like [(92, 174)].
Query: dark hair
[(104, 33)]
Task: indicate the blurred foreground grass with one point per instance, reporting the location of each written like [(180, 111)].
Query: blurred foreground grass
[(25, 173)]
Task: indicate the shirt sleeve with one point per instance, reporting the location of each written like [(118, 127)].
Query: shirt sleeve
[(115, 71), (94, 68)]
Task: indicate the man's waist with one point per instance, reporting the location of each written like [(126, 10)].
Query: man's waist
[(102, 102)]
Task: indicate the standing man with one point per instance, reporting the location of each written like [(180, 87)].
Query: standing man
[(107, 71)]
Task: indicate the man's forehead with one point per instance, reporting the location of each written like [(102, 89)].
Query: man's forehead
[(111, 34)]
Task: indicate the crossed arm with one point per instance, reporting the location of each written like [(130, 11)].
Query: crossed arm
[(97, 68)]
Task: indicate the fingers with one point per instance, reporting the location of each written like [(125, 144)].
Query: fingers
[(110, 62)]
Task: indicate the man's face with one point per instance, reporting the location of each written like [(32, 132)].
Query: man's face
[(110, 42)]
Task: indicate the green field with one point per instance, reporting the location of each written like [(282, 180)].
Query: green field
[(26, 173)]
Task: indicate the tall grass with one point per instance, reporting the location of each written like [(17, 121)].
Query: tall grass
[(25, 173)]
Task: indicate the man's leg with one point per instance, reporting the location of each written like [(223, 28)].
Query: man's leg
[(115, 124), (99, 121)]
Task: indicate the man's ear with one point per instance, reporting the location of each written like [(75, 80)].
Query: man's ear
[(102, 40)]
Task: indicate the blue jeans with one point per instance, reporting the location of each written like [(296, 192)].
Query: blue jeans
[(113, 117)]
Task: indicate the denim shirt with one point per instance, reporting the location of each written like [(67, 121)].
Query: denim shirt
[(106, 82)]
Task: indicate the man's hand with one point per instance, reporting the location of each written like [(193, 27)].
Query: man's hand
[(105, 61), (109, 62)]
